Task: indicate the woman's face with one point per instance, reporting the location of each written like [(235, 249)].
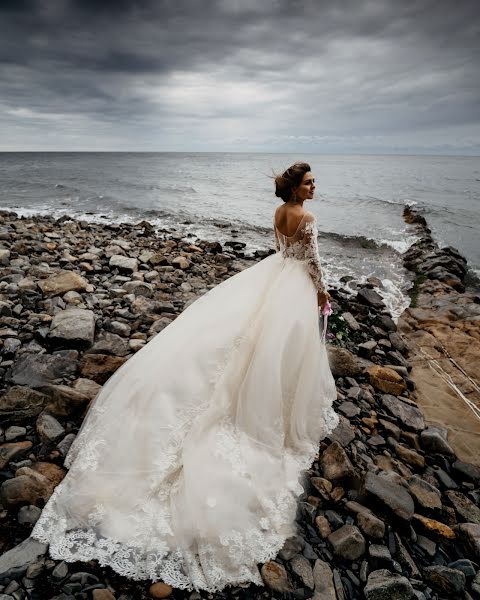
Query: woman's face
[(306, 189)]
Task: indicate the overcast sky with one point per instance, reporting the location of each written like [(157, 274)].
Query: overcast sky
[(241, 75)]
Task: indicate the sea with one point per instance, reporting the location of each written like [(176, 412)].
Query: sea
[(359, 201)]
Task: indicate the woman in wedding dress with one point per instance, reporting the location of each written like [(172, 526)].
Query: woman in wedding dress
[(186, 468)]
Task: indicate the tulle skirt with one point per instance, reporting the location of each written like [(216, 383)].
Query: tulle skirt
[(187, 467)]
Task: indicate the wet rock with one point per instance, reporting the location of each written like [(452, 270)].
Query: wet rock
[(38, 371), (433, 440), (444, 579), (342, 362), (436, 527), (13, 450), (15, 562), (323, 579), (100, 367), (21, 403), (389, 495), (64, 401), (124, 263), (410, 456), (469, 534), (409, 416), (466, 510), (62, 282), (109, 343), (301, 567), (27, 486), (383, 584), (467, 470), (275, 577), (465, 566), (292, 546), (351, 321), (335, 463), (371, 525), (29, 515), (344, 433), (426, 495), (13, 432), (160, 590), (349, 409), (48, 428), (73, 327), (386, 380), (348, 542), (370, 297), (380, 556)]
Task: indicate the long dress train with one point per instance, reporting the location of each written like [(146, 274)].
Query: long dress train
[(186, 467)]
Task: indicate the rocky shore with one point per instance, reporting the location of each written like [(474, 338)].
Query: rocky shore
[(442, 326), (390, 509)]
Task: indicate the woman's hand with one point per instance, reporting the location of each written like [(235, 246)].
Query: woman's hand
[(322, 298)]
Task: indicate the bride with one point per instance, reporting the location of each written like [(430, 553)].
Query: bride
[(187, 467)]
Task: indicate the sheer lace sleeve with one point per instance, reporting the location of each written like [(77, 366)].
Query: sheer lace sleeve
[(312, 256), (277, 243)]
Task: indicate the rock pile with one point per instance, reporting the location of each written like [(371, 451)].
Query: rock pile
[(389, 511)]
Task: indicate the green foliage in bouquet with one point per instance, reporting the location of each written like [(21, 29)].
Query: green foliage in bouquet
[(338, 330)]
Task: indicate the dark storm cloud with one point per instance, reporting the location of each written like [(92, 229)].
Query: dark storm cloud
[(242, 73)]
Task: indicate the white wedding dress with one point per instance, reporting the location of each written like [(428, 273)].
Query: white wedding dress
[(187, 467)]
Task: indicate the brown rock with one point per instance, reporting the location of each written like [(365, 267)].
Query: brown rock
[(371, 525), (102, 594), (469, 533), (21, 403), (64, 400), (100, 367), (275, 577), (160, 590), (410, 456), (27, 486), (465, 508), (323, 526), (13, 450), (335, 463), (61, 282), (323, 579), (342, 362), (386, 380), (430, 525), (426, 495), (348, 542)]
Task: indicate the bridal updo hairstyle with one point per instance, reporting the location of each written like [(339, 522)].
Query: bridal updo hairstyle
[(289, 179)]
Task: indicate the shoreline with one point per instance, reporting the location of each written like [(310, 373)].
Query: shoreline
[(388, 502), (442, 326)]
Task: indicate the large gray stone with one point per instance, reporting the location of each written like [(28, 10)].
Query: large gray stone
[(74, 327), (469, 534), (370, 297), (335, 463), (466, 510), (409, 416), (21, 403), (435, 440), (109, 343), (348, 542), (383, 584), (389, 495), (444, 579), (49, 429), (124, 263), (323, 579), (14, 562), (37, 371)]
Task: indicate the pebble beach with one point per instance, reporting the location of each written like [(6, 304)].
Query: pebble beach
[(391, 503)]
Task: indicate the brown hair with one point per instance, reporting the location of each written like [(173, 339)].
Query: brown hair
[(290, 178)]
